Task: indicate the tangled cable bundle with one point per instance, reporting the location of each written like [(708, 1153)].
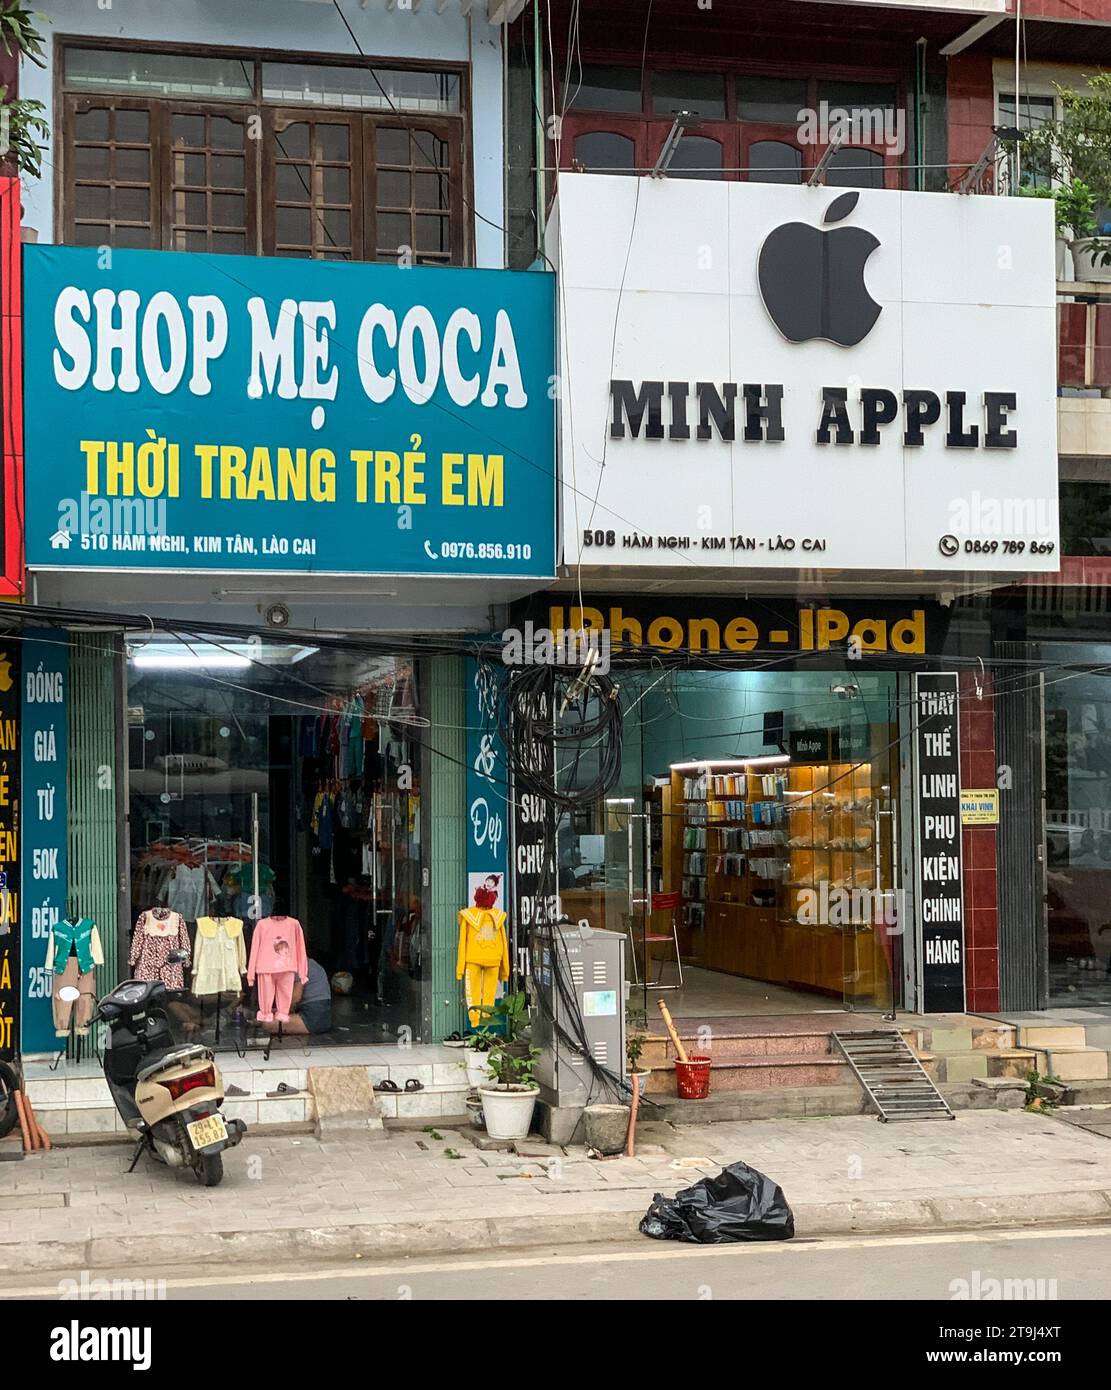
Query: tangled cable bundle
[(562, 746)]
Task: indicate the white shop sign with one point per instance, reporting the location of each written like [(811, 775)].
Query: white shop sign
[(765, 376)]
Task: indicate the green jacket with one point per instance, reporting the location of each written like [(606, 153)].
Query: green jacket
[(69, 936)]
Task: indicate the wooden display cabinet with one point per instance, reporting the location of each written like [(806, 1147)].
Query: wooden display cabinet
[(828, 810)]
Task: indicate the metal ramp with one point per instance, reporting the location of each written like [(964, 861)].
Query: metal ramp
[(892, 1076)]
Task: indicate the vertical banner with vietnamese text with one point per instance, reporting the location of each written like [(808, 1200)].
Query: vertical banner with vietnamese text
[(487, 790), (10, 980), (44, 685), (535, 880), (939, 884)]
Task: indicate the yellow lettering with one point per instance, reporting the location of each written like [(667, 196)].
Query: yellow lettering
[(485, 480), (323, 466), (741, 635), (909, 634), (450, 495), (832, 626), (387, 477), (233, 470), (207, 455), (92, 449)]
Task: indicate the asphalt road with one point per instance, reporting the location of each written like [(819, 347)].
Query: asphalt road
[(866, 1267)]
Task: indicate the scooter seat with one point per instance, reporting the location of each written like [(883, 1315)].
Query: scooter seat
[(175, 1057)]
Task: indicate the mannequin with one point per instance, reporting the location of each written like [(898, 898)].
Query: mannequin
[(483, 958), (158, 932), (219, 953), (73, 952), (278, 958)]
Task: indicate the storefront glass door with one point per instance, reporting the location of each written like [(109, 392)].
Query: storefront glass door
[(274, 779), (1078, 827), (756, 821)]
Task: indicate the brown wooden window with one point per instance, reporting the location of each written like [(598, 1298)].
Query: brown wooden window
[(210, 173), (257, 176), (617, 120), (111, 153), (313, 187), (415, 168)]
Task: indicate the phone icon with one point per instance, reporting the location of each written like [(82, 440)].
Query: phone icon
[(430, 552)]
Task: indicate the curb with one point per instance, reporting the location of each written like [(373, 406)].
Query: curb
[(388, 1239)]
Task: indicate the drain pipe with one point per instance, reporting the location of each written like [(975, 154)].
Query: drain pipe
[(919, 103), (538, 112)]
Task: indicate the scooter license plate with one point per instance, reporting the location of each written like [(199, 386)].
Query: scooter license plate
[(210, 1130)]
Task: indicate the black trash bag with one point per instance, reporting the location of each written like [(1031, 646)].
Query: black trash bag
[(739, 1204)]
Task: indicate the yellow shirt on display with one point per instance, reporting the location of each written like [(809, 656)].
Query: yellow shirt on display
[(483, 940)]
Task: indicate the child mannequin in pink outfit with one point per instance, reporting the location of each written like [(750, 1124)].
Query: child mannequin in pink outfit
[(278, 958)]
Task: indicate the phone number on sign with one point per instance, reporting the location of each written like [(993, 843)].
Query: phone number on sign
[(1008, 547), (485, 550)]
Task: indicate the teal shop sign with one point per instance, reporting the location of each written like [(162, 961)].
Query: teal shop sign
[(195, 412)]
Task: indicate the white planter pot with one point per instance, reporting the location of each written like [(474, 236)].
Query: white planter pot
[(1087, 268), (643, 1085), (476, 1064), (508, 1110)]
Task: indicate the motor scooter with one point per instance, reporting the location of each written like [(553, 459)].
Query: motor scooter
[(169, 1093)]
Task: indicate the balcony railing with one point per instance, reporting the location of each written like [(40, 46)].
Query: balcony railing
[(1084, 335)]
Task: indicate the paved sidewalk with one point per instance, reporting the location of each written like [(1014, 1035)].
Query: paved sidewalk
[(288, 1198)]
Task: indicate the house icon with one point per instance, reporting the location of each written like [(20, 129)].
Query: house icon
[(61, 540)]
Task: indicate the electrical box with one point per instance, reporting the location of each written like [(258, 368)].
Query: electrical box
[(579, 975)]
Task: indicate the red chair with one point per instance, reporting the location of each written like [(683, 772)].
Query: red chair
[(663, 902)]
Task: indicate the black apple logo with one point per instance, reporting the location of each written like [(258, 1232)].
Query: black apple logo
[(812, 281)]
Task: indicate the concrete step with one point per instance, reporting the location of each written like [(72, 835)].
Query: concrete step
[(725, 1046), (729, 1106), (942, 1041), (1098, 1035), (1016, 1062), (963, 1066), (1049, 1035), (75, 1105), (764, 1073), (1082, 1092), (1073, 1063)]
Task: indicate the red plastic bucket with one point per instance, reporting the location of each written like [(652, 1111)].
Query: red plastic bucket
[(692, 1078)]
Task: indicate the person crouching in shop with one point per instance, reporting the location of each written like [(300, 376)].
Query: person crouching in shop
[(310, 1009)]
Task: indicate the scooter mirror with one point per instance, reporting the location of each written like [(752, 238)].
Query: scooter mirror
[(69, 994), (176, 957)]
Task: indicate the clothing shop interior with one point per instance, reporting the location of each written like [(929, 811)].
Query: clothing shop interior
[(275, 830), (749, 850), (1078, 828)]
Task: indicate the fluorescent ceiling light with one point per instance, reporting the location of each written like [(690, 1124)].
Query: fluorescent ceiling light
[(166, 655), (765, 760), (183, 660)]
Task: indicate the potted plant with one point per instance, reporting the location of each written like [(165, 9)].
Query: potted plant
[(636, 1035), (475, 1053), (1075, 215), (509, 1094), (1074, 149)]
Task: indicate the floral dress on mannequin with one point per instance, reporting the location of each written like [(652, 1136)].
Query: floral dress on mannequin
[(154, 937)]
